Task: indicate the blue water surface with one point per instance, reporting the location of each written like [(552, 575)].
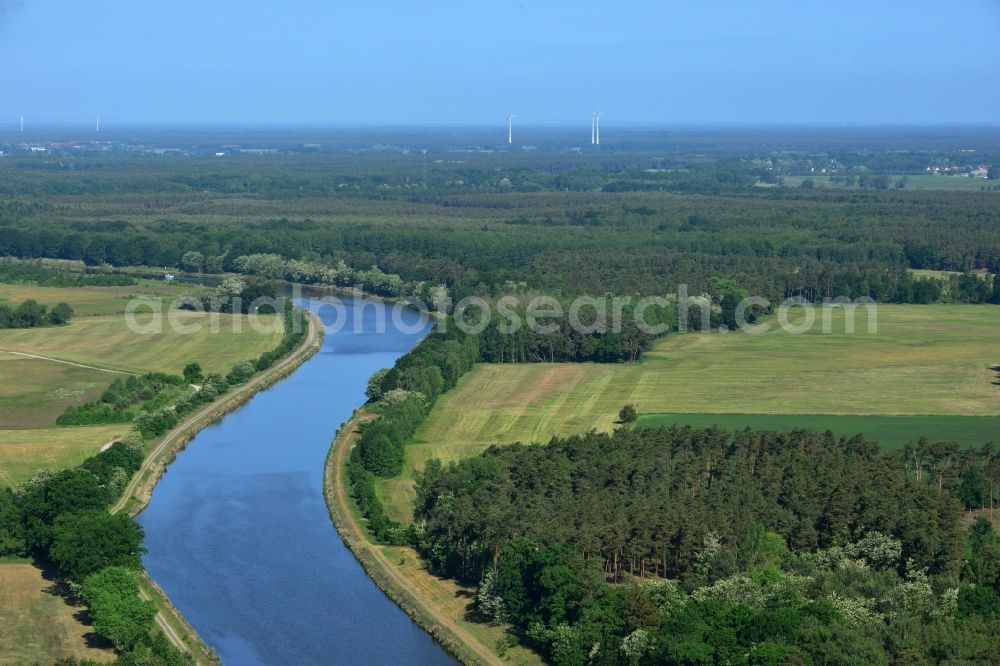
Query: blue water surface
[(238, 532)]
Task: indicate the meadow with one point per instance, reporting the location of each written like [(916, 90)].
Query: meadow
[(37, 626), (40, 390), (892, 432), (89, 301), (35, 391), (921, 361), (103, 339), (24, 451)]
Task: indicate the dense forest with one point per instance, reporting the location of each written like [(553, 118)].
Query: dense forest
[(701, 546), (487, 223)]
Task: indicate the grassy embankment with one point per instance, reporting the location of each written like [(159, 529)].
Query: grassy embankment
[(441, 606)]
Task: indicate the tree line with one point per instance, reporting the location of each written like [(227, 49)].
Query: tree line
[(34, 272), (32, 314)]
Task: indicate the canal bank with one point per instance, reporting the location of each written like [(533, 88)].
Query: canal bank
[(237, 528)]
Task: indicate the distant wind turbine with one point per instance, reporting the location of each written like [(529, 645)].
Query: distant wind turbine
[(22, 124), (510, 128), (98, 124), (595, 128)]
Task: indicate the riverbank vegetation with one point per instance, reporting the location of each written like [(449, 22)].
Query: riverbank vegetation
[(401, 397)]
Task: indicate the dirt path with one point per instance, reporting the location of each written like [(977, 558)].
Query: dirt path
[(59, 360), (395, 585), (162, 623)]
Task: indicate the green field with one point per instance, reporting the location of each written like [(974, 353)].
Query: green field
[(922, 360), (35, 391), (89, 301), (23, 452), (43, 389), (99, 334), (107, 342), (889, 431)]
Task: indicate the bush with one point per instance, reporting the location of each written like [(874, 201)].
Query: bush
[(241, 372), (115, 403), (154, 424), (628, 414), (192, 373)]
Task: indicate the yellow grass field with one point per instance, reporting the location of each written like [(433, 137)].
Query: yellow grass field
[(43, 389), (107, 342), (24, 452), (36, 625), (89, 301), (35, 391), (99, 334), (921, 360)]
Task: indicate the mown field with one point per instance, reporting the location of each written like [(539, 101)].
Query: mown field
[(40, 390), (890, 431), (35, 391), (89, 301), (23, 452), (37, 626), (936, 360), (107, 342), (99, 334)]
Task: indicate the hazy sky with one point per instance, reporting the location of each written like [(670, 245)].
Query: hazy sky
[(379, 61)]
